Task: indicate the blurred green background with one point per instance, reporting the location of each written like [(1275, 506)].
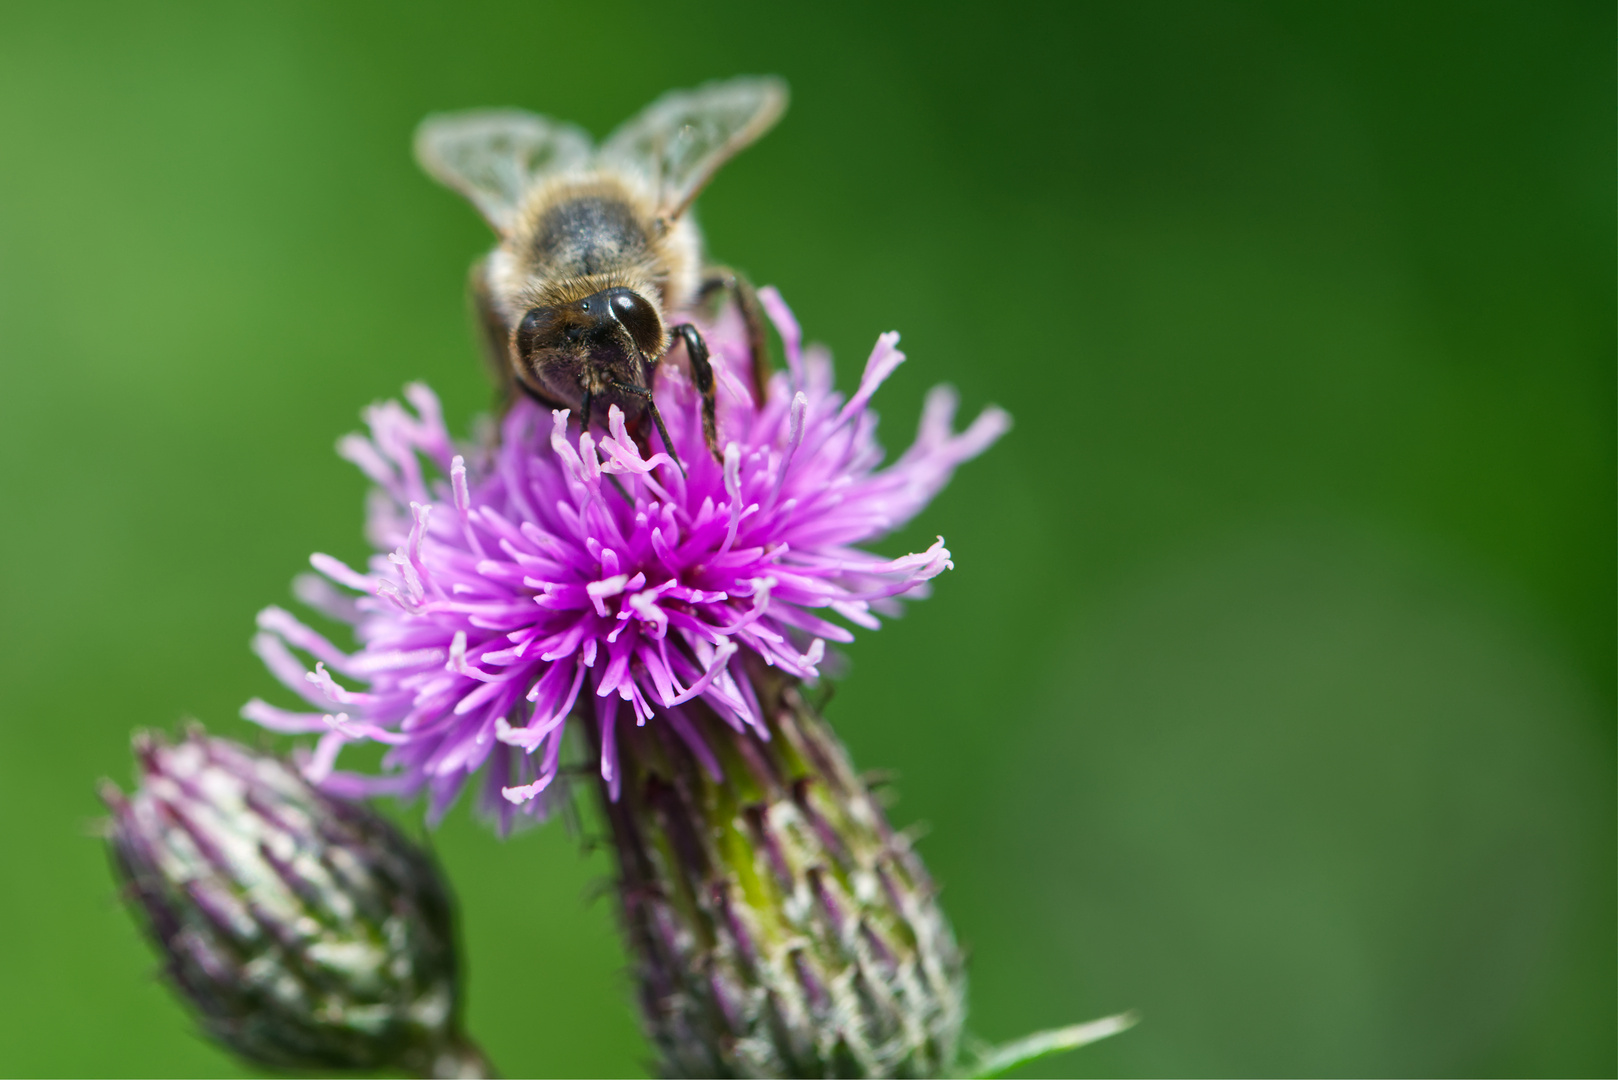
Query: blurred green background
[(1273, 692)]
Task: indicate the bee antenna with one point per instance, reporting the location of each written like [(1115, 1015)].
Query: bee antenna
[(668, 444), (584, 411), (657, 418)]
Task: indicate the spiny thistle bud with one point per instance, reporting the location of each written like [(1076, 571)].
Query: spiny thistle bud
[(780, 926), (306, 931)]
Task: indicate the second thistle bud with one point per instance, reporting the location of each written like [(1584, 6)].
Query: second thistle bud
[(305, 930), (781, 927)]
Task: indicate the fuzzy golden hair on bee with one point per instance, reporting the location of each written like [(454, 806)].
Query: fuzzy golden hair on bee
[(598, 253)]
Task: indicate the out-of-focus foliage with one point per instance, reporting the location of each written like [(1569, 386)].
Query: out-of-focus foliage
[(1273, 692)]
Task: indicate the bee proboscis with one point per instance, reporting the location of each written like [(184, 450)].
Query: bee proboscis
[(597, 250)]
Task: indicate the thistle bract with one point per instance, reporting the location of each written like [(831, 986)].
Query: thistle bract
[(305, 930), (559, 574), (779, 926)]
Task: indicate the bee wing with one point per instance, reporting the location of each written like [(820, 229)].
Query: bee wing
[(495, 156), (679, 141)]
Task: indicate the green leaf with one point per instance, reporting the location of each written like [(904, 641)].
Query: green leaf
[(1001, 1060)]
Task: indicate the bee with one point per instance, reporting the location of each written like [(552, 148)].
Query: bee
[(597, 247)]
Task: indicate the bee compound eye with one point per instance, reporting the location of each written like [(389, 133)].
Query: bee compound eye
[(639, 318), (536, 330)]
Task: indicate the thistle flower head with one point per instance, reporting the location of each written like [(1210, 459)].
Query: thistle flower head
[(305, 930), (560, 573)]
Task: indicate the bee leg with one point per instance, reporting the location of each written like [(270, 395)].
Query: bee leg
[(702, 374), (724, 279), (657, 418)]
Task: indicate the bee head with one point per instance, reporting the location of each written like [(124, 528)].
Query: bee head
[(613, 332)]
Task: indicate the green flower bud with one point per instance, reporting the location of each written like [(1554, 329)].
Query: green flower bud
[(779, 924), (305, 930)]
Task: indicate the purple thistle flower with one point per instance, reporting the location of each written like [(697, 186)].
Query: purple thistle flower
[(555, 568)]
